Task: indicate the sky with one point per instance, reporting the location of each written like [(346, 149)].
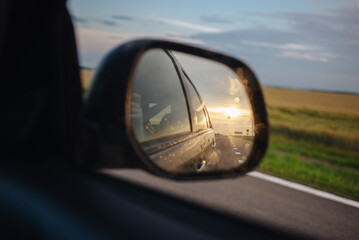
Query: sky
[(300, 44)]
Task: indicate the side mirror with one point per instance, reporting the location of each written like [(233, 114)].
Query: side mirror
[(176, 111)]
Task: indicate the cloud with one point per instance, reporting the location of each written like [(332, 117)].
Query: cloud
[(319, 37), (94, 44), (269, 43), (109, 23), (188, 25), (307, 56), (337, 28), (174, 34), (215, 19), (315, 51), (78, 19), (123, 17), (294, 50), (285, 46)]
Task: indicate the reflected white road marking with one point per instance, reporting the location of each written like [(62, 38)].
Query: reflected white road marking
[(235, 148), (238, 153), (240, 161), (303, 188)]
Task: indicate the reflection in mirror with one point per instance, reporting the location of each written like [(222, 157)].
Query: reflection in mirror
[(191, 114)]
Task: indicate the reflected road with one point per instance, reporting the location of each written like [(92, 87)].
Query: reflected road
[(232, 151)]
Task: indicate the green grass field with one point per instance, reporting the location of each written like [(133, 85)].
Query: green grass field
[(314, 144), (314, 138)]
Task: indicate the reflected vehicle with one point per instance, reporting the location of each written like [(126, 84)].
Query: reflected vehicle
[(168, 116)]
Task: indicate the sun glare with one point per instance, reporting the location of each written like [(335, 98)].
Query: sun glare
[(233, 112), (229, 112)]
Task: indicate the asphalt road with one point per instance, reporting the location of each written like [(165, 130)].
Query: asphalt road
[(262, 201)]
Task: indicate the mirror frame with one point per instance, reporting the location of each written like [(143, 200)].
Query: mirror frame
[(110, 93)]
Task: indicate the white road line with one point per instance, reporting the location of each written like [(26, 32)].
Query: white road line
[(235, 148), (303, 188), (238, 153)]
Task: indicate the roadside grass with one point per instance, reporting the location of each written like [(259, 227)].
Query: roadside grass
[(328, 128), (340, 181), (320, 120), (313, 145), (322, 153)]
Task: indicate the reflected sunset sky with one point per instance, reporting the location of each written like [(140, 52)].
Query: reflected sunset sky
[(223, 93)]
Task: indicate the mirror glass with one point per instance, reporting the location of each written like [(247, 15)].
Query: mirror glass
[(190, 114)]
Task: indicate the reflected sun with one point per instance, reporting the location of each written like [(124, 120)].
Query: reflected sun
[(229, 112), (233, 112)]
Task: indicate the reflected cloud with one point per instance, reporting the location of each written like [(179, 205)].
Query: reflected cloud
[(234, 86)]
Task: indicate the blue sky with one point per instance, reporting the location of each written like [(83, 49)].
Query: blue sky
[(304, 44)]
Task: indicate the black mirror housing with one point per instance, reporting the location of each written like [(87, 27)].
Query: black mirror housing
[(108, 111)]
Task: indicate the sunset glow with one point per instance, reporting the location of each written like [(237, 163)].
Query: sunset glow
[(231, 111)]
